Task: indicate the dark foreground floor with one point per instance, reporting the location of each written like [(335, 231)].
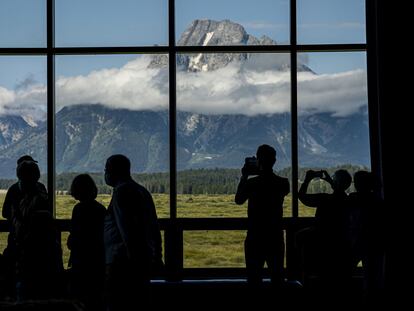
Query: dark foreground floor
[(231, 294)]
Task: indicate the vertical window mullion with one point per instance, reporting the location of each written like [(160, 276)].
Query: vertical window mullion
[(172, 109), (372, 80), (294, 107), (173, 235), (50, 22)]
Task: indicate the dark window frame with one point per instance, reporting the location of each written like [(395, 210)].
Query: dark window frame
[(174, 226)]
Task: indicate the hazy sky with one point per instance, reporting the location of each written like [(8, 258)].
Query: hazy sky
[(144, 22)]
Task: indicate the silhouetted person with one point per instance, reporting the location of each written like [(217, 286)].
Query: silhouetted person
[(265, 193), (87, 256), (132, 238), (330, 245), (11, 203), (38, 253), (368, 225)]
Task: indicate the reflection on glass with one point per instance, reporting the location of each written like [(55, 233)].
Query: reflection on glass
[(333, 129), (227, 105), (214, 22), (330, 21), (107, 105), (22, 23), (111, 22), (23, 110)]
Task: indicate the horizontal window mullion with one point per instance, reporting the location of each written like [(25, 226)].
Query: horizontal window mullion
[(185, 49), (110, 50), (330, 47), (23, 51)]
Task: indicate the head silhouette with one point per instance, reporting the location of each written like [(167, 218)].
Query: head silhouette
[(364, 181), (117, 169), (28, 174), (83, 188), (25, 158), (341, 180), (266, 157)]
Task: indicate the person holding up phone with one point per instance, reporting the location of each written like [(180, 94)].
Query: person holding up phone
[(329, 235), (265, 194)]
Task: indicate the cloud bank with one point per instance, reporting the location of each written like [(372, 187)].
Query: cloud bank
[(235, 89)]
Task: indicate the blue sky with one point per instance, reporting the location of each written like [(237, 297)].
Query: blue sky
[(144, 22)]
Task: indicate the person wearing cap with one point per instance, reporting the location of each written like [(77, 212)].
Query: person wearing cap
[(14, 193), (12, 201)]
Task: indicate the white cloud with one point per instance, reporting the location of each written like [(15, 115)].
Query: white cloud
[(234, 89), (132, 86), (28, 101)]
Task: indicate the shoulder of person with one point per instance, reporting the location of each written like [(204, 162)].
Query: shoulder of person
[(100, 207), (14, 187), (41, 187), (280, 179), (14, 190), (126, 186), (129, 189)]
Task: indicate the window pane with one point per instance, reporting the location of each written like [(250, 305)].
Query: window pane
[(333, 116), (330, 21), (22, 23), (23, 110), (232, 22), (3, 241), (111, 22), (107, 105), (214, 249), (227, 105)]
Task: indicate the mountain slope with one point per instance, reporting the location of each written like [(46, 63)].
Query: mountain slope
[(87, 134)]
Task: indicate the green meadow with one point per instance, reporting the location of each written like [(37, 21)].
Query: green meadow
[(201, 248)]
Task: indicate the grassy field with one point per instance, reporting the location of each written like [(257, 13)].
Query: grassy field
[(201, 248)]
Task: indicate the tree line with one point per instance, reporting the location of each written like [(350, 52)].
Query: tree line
[(193, 181)]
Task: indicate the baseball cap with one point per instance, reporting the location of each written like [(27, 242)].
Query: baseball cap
[(25, 158)]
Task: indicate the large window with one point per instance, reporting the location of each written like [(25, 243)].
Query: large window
[(186, 89), (111, 104)]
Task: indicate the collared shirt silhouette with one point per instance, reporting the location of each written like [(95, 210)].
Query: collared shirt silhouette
[(265, 194), (131, 235)]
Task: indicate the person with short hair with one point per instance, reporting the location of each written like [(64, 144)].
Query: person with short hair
[(265, 194), (132, 238), (86, 244)]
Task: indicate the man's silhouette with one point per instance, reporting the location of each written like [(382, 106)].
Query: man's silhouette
[(330, 238), (132, 238), (265, 193)]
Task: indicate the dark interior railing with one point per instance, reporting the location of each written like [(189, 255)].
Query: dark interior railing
[(174, 241)]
